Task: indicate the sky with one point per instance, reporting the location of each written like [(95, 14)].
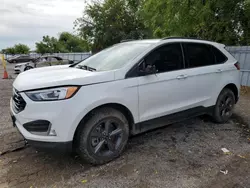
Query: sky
[(27, 21)]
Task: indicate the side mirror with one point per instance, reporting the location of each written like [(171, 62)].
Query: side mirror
[(144, 69)]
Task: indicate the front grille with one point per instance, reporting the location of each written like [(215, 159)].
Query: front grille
[(18, 102)]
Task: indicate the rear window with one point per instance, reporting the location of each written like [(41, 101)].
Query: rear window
[(219, 56)]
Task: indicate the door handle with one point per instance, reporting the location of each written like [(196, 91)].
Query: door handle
[(181, 77), (219, 71)]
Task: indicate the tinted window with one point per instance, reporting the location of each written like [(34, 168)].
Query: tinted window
[(24, 57), (52, 59), (219, 56), (198, 55), (166, 58)]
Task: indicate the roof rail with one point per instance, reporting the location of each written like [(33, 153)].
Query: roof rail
[(126, 40), (193, 38)]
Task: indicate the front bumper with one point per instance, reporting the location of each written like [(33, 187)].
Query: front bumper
[(47, 146), (17, 70), (51, 146), (40, 114)]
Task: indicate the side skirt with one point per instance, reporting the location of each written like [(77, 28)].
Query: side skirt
[(170, 119)]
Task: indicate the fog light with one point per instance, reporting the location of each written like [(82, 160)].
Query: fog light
[(37, 127), (52, 132)]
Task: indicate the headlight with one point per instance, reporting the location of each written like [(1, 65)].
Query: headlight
[(59, 93)]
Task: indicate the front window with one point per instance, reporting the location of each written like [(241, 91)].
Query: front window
[(166, 58), (113, 57)]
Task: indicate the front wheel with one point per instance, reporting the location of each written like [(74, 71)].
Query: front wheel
[(224, 106), (28, 68), (103, 137)]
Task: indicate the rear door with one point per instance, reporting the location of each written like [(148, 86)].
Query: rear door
[(204, 73)]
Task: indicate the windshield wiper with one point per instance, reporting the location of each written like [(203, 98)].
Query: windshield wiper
[(85, 67)]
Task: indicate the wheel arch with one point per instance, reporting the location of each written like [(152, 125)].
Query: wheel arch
[(123, 109), (26, 66), (234, 89)]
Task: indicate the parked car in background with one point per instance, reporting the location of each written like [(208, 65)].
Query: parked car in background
[(21, 67), (42, 61), (20, 59), (51, 60)]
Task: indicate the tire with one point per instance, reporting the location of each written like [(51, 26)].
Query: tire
[(223, 109), (103, 137), (28, 68)]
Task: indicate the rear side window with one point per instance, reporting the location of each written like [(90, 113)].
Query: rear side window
[(219, 56), (198, 55)]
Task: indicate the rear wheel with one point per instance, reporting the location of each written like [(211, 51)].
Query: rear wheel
[(103, 137), (224, 106)]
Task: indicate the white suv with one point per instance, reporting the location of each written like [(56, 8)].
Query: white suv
[(129, 88)]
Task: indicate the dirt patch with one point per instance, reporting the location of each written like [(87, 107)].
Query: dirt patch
[(245, 90)]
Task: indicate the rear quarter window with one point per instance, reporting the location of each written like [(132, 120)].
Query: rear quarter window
[(219, 56)]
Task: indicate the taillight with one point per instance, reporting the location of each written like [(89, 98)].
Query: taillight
[(237, 65)]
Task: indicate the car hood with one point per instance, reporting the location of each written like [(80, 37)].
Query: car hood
[(59, 76)]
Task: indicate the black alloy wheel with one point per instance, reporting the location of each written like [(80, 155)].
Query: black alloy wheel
[(28, 68), (103, 137), (224, 106), (106, 137)]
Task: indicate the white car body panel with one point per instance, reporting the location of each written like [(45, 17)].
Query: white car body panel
[(59, 75), (146, 97), (86, 99)]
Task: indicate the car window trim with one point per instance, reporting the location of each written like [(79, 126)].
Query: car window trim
[(131, 72)]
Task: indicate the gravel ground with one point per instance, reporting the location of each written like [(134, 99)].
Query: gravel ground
[(183, 155)]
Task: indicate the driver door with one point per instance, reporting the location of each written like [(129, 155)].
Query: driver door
[(163, 93)]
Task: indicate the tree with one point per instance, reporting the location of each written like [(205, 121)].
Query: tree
[(21, 49), (73, 43), (108, 22), (9, 51), (222, 21), (67, 42), (49, 45), (17, 49)]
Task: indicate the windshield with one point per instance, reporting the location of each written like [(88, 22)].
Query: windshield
[(114, 57)]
